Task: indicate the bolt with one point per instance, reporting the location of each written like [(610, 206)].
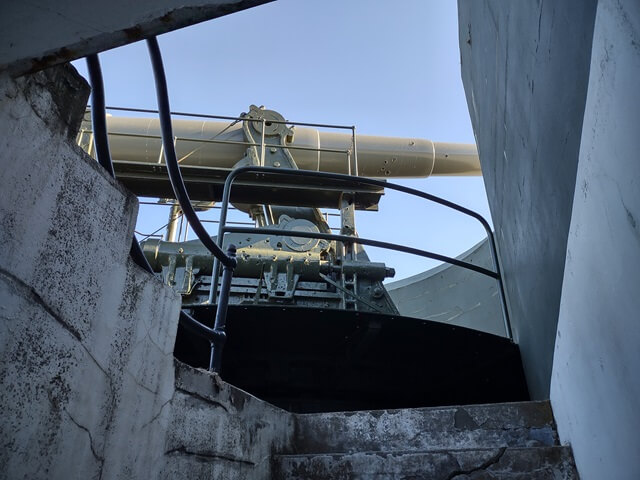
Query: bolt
[(276, 164)]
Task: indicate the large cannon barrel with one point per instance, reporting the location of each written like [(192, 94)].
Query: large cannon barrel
[(222, 144)]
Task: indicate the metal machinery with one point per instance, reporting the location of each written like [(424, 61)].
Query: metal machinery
[(275, 269), (310, 326)]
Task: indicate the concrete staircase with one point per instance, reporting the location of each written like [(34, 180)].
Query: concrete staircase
[(501, 441)]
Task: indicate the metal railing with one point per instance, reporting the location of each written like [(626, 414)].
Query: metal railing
[(216, 335), (351, 154), (347, 239)]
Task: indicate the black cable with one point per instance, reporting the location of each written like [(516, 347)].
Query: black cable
[(216, 335), (98, 114), (98, 118), (173, 168)]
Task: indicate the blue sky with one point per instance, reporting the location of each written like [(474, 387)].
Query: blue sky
[(390, 68)]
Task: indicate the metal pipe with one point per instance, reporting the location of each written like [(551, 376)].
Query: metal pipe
[(262, 141), (227, 117), (355, 150), (503, 298), (171, 234), (222, 142), (348, 239), (217, 343)]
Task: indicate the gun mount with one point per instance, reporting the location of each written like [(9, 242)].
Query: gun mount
[(310, 325), (275, 269)]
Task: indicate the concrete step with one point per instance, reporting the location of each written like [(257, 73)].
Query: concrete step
[(523, 424), (218, 431), (487, 463)]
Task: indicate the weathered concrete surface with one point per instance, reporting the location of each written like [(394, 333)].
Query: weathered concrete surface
[(553, 463), (88, 383), (595, 389), (34, 35), (525, 69), (453, 295), (86, 337), (525, 424), (218, 431), (506, 441)]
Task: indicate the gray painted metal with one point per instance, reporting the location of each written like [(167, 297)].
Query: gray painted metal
[(525, 68), (453, 295), (37, 35)]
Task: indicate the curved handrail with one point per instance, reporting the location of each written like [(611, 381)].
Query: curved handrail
[(222, 229), (365, 241)]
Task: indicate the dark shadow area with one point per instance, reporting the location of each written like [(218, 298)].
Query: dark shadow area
[(310, 360)]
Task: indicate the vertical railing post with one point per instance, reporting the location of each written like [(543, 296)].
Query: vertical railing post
[(355, 152), (262, 145), (218, 341), (503, 297)]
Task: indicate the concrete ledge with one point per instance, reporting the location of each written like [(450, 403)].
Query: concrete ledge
[(219, 431), (552, 463), (525, 424)]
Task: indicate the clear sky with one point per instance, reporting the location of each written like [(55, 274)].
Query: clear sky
[(390, 68)]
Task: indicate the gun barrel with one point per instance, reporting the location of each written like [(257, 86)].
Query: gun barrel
[(222, 145)]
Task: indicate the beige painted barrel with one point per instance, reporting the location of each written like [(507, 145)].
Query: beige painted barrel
[(222, 145)]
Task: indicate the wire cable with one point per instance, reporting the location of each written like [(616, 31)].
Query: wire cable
[(98, 114), (171, 160), (98, 118)]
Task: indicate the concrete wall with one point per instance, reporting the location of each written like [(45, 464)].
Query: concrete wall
[(88, 387), (33, 38), (453, 295), (525, 70), (86, 337), (220, 432), (595, 389)]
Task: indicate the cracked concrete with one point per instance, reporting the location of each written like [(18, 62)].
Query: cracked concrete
[(89, 387), (86, 337), (482, 467), (525, 424), (219, 431), (552, 463), (498, 441)]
